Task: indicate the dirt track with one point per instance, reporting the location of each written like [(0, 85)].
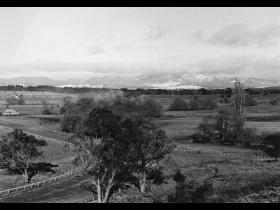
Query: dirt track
[(67, 191)]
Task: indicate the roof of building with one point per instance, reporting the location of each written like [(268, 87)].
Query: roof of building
[(10, 110)]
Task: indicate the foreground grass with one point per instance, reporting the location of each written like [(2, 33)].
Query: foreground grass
[(230, 177)]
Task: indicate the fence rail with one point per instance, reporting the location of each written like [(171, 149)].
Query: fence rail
[(47, 181), (257, 157)]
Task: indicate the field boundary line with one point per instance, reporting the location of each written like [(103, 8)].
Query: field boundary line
[(255, 157)]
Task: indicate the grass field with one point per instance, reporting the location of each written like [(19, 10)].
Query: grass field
[(53, 152), (230, 177), (180, 124), (236, 176)]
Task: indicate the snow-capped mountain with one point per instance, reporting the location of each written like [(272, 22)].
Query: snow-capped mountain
[(190, 81), (157, 80)]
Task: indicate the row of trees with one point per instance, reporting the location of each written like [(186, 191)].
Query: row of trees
[(141, 91), (76, 112), (194, 104), (197, 103), (18, 152)]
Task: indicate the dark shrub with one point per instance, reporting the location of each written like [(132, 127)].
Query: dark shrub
[(250, 101), (274, 101), (199, 104), (179, 177), (206, 131), (271, 145), (209, 104), (131, 107), (192, 192), (178, 105), (41, 143), (194, 104), (197, 138), (249, 135), (69, 123), (151, 108)]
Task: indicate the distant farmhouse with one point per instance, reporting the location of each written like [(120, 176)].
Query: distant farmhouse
[(10, 112)]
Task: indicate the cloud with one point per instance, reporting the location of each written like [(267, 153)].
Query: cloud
[(69, 69), (130, 47), (240, 35), (244, 65), (156, 31), (93, 50), (125, 47)]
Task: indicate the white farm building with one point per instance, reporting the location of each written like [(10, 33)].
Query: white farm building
[(10, 112)]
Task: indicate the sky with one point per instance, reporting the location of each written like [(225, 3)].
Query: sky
[(63, 43)]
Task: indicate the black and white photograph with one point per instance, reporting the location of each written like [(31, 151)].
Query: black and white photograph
[(139, 105)]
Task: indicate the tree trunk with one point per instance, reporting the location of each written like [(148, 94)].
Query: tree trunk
[(106, 196), (143, 182), (25, 175), (239, 110), (99, 193)]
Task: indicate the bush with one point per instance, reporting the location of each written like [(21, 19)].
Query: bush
[(221, 129), (206, 131), (210, 104), (179, 177), (194, 104), (249, 135), (69, 123), (151, 108), (274, 101), (178, 105), (15, 100), (47, 110), (136, 107), (271, 145), (250, 101), (192, 192)]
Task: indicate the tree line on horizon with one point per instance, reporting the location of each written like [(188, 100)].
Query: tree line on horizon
[(140, 91)]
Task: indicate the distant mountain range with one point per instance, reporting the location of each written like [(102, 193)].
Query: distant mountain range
[(157, 80)]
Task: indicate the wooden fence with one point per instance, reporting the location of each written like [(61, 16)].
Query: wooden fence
[(242, 156), (71, 173)]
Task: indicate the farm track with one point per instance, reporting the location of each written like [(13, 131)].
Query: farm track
[(66, 191), (32, 127)]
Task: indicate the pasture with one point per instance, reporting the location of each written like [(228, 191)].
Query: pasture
[(180, 124), (35, 97), (53, 152), (231, 177), (236, 177)]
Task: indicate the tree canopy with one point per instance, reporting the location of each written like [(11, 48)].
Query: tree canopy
[(127, 154)]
